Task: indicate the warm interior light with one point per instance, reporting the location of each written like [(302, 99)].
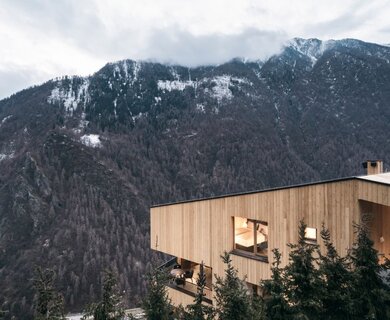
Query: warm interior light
[(311, 233)]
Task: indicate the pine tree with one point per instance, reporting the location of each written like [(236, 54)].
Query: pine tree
[(303, 284), (156, 304), (110, 307), (232, 298), (276, 305), (337, 281), (258, 307), (49, 304), (198, 310), (371, 296)]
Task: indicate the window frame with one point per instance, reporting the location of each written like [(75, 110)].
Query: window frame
[(255, 254)]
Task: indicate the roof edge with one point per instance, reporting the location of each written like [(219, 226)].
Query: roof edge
[(228, 195)]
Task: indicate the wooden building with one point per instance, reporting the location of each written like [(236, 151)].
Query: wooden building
[(250, 225)]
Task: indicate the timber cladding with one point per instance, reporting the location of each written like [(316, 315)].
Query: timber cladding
[(202, 230)]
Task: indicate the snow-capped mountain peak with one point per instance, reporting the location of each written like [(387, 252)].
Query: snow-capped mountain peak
[(312, 48)]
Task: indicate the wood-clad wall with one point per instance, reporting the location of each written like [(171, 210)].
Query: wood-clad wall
[(374, 192), (179, 298), (202, 230), (379, 221)]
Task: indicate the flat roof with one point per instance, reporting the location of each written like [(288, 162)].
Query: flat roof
[(382, 178)]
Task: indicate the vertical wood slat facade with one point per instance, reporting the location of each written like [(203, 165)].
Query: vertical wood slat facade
[(202, 230)]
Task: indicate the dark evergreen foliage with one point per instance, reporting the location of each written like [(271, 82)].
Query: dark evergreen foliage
[(276, 304), (49, 304), (231, 295), (337, 283), (329, 286), (110, 307), (304, 288), (198, 310), (156, 303), (370, 294)]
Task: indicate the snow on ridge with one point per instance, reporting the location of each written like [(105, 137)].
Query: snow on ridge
[(219, 90), (174, 85), (174, 73), (136, 69), (91, 140), (130, 69), (70, 98), (311, 48)]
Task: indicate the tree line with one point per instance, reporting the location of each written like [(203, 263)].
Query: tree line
[(313, 285)]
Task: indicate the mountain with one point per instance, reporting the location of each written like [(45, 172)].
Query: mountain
[(83, 158)]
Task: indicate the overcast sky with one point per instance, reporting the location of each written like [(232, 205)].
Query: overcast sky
[(43, 39)]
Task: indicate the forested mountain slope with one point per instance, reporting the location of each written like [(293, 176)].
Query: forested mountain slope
[(82, 159)]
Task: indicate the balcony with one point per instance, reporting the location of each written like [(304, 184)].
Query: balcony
[(184, 275)]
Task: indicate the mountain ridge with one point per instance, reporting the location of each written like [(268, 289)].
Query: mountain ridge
[(292, 42)]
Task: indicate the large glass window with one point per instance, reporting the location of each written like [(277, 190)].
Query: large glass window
[(251, 236)]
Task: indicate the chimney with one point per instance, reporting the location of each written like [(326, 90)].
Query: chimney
[(373, 166)]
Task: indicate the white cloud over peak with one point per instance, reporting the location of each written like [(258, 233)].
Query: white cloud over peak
[(42, 39)]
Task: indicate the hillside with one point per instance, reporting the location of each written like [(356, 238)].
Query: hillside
[(82, 159)]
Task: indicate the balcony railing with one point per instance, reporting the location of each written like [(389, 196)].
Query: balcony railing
[(183, 280), (192, 289)]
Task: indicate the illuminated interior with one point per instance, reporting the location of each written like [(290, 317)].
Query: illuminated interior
[(251, 236), (311, 234)]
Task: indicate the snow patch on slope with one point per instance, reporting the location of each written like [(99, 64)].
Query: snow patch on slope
[(4, 120), (69, 97), (7, 151), (220, 85), (127, 70), (4, 156), (311, 48), (167, 85), (174, 73), (91, 140)]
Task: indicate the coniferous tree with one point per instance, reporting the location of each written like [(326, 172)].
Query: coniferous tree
[(49, 304), (371, 296), (232, 298), (303, 284), (337, 281), (258, 307), (386, 272), (110, 307), (198, 310), (276, 305), (156, 303)]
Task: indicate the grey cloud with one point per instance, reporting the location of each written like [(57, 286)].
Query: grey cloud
[(177, 46), (170, 45), (339, 25), (346, 23), (75, 23), (15, 79)]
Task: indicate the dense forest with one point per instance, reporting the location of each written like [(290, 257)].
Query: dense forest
[(83, 159)]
